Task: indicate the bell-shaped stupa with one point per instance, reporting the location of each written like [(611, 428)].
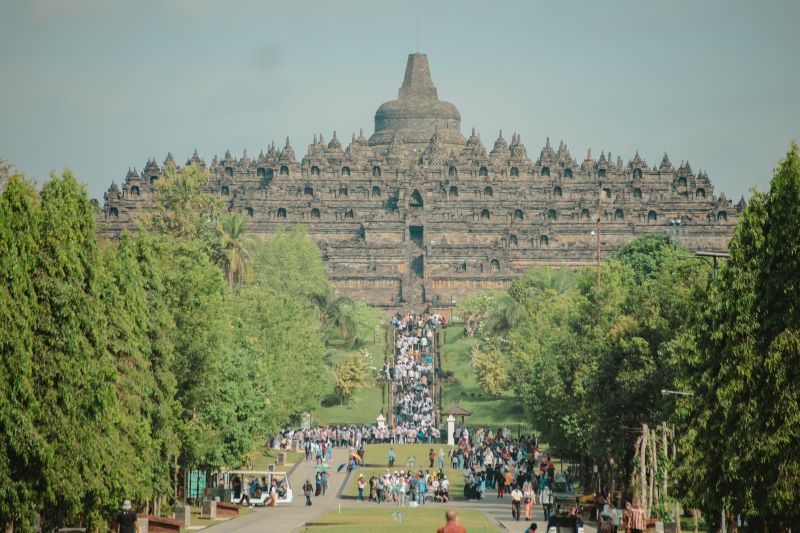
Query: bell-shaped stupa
[(418, 114)]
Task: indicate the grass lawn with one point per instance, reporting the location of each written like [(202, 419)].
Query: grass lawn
[(370, 519), (494, 412), (366, 403), (376, 458), (266, 457)]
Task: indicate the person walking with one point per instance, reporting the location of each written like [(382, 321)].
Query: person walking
[(126, 519), (391, 457), (381, 488), (500, 482), (324, 481), (637, 522), (516, 501), (532, 528), (547, 501), (308, 491), (529, 499)]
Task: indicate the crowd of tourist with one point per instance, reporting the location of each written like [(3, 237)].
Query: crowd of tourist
[(332, 437), (492, 463), (413, 376), (413, 488)]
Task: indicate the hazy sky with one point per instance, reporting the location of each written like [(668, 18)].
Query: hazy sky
[(100, 85)]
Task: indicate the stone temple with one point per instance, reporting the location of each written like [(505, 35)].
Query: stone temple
[(419, 215)]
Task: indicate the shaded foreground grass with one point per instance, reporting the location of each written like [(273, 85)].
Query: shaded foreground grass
[(376, 458), (370, 519)]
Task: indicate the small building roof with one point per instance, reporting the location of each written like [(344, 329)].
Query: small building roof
[(456, 410)]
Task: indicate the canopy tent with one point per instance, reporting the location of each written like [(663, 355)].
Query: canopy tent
[(456, 410)]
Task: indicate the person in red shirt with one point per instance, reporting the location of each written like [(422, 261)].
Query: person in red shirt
[(452, 525)]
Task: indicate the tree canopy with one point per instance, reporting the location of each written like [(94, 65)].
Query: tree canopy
[(744, 369), (128, 362)]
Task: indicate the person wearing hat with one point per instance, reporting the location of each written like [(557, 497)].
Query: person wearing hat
[(308, 490), (361, 485), (126, 519)]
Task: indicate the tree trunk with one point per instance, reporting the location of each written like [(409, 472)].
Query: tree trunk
[(633, 487), (666, 458), (677, 501), (653, 497), (643, 466), (730, 518)]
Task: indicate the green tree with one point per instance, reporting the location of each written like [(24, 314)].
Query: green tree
[(237, 248), (145, 386), (159, 329), (586, 363), (492, 371), (351, 374), (507, 312), (475, 309), (337, 319), (291, 263), (744, 372), (645, 254), (195, 292), (285, 349), (183, 208), (74, 374), (25, 454)]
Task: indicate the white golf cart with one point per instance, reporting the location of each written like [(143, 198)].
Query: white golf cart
[(252, 486)]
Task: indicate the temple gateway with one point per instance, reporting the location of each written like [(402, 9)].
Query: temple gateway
[(418, 215)]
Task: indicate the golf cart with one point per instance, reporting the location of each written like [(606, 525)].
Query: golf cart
[(252, 486), (564, 518)]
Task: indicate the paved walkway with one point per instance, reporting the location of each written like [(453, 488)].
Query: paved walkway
[(500, 511), (291, 517)]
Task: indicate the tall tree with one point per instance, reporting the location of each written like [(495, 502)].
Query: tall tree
[(73, 372), (183, 208), (745, 372), (25, 454), (291, 263), (237, 248)]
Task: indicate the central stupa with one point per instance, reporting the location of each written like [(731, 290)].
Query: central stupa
[(418, 113)]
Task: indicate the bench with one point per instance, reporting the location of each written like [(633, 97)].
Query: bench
[(160, 524), (227, 510)]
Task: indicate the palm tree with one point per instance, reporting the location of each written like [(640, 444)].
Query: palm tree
[(336, 315), (506, 314), (236, 247)]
